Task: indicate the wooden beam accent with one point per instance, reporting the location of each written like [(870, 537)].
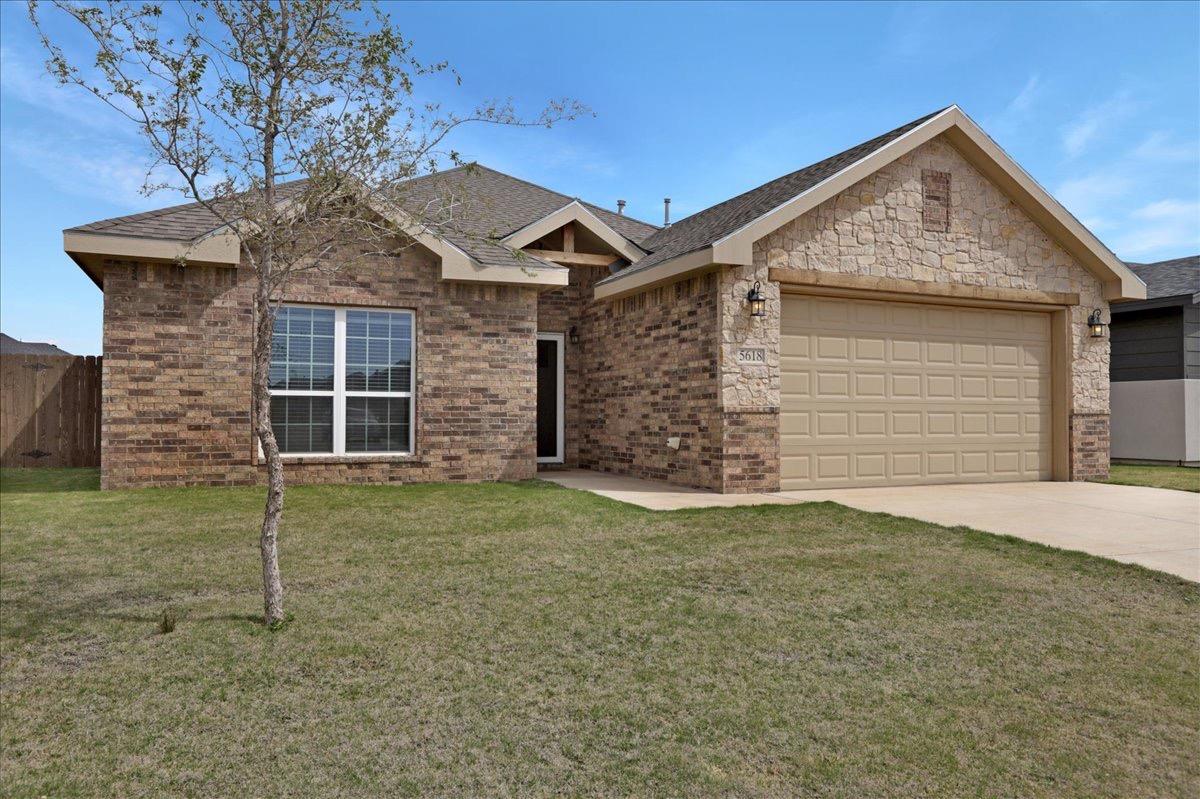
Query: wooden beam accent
[(924, 288), (569, 237), (575, 258)]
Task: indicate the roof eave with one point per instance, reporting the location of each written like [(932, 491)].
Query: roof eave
[(620, 285), (89, 250), (1174, 301)]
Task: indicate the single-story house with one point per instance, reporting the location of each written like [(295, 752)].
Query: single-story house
[(911, 310), (12, 346), (1155, 367)]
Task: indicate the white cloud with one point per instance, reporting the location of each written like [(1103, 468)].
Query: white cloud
[(1090, 195), (24, 78), (1162, 229), (1026, 97), (100, 170), (1169, 209), (1012, 121), (1078, 134), (1160, 146)]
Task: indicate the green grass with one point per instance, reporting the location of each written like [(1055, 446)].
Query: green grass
[(526, 640), (1181, 478)]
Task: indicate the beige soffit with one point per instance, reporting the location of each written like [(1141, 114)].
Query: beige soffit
[(574, 211), (89, 250), (221, 248), (1120, 283)]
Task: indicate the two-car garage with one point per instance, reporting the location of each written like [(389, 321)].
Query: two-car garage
[(904, 393)]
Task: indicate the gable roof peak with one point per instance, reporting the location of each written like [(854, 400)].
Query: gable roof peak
[(726, 232)]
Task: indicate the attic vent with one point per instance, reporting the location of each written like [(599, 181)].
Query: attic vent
[(935, 200)]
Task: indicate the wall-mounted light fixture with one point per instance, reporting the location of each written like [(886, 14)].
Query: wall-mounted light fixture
[(1095, 324), (756, 300), (573, 335)]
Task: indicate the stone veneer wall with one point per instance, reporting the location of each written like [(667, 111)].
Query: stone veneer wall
[(176, 407), (875, 228)]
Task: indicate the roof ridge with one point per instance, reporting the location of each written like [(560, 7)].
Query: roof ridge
[(560, 194)]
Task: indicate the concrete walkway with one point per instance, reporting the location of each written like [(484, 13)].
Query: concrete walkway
[(1153, 527), (654, 495)]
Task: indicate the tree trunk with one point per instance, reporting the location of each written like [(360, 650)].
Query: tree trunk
[(273, 514)]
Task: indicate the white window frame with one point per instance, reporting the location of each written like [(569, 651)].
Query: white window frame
[(340, 393), (559, 339)]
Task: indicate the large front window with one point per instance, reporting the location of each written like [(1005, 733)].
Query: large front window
[(341, 381)]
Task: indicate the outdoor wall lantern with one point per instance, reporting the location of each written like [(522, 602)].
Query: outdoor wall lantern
[(1095, 325), (573, 335), (758, 303)]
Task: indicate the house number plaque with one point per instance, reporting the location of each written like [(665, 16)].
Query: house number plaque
[(751, 355)]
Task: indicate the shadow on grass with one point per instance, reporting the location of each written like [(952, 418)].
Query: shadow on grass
[(48, 480)]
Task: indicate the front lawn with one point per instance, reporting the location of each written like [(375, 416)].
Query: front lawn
[(1181, 478), (526, 640)]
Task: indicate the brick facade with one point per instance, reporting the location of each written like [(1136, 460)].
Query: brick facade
[(659, 364), (649, 373), (177, 341), (1089, 446)]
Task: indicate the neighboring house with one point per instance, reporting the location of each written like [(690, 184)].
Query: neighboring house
[(922, 319), (1156, 366), (11, 346)]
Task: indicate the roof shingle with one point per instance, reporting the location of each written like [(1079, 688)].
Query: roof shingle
[(12, 346), (712, 224), (1172, 278), (471, 206)]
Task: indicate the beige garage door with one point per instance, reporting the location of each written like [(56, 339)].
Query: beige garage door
[(896, 393)]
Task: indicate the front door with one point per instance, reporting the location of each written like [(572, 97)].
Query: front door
[(550, 398)]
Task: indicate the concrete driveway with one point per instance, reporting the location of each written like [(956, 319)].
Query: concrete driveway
[(1153, 527)]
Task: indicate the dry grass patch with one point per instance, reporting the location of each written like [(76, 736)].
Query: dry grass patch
[(526, 640)]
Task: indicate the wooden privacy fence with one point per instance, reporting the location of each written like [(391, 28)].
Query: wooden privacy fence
[(49, 410)]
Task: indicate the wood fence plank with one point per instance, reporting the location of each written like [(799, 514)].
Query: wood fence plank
[(49, 410)]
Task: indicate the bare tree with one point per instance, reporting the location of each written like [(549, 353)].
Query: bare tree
[(293, 123)]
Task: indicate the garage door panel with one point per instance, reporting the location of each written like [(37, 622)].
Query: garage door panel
[(975, 464), (879, 393), (870, 350), (906, 351), (795, 345), (832, 384), (870, 385)]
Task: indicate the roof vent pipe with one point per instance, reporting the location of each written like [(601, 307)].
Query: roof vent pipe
[(666, 212), (620, 207)]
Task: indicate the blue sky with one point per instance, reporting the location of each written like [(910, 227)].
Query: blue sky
[(1099, 102)]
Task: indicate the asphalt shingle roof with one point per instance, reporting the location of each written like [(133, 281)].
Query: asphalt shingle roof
[(1172, 278), (712, 224), (12, 346), (469, 206), (472, 204), (473, 207), (177, 222)]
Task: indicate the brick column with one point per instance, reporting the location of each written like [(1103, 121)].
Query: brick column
[(1089, 446)]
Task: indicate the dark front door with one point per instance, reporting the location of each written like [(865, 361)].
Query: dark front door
[(549, 392)]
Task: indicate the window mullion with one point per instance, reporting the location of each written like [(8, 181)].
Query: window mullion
[(339, 381)]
